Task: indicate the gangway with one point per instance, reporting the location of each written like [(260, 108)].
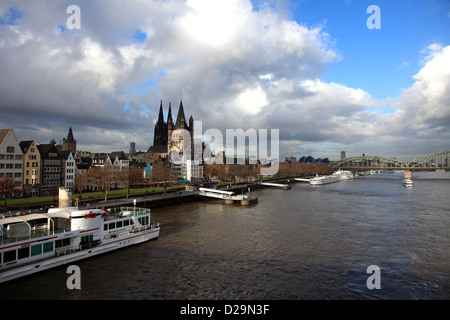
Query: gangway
[(278, 185), (229, 196)]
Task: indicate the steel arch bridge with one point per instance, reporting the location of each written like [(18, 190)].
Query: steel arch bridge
[(438, 160)]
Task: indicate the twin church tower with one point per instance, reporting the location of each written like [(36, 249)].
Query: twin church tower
[(163, 141)]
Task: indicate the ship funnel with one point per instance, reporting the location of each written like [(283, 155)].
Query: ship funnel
[(65, 197)]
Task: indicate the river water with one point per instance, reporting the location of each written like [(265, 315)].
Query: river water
[(310, 242)]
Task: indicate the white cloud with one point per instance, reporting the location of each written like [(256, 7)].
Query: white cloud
[(426, 103), (236, 68)]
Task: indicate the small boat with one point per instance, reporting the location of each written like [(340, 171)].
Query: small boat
[(408, 183), (36, 241)]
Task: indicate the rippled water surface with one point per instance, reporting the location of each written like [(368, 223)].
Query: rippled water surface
[(304, 243)]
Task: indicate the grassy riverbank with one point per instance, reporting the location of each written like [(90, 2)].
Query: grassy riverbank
[(24, 203)]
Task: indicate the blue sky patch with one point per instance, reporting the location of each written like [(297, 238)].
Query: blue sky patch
[(139, 36), (11, 17)]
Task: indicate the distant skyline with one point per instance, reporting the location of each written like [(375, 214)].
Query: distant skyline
[(312, 69)]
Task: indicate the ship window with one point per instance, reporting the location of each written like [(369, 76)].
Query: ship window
[(126, 223), (9, 256), (112, 225), (48, 247), (62, 243), (35, 250), (143, 221), (105, 227), (119, 224), (23, 253), (87, 239)]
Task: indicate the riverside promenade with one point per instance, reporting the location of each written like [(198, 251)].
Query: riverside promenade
[(172, 197), (146, 201)]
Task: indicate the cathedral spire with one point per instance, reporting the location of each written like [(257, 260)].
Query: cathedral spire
[(181, 120), (161, 116), (169, 116)]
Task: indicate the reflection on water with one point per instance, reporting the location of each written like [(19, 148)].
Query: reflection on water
[(304, 243)]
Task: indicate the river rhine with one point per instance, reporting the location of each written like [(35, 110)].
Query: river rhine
[(310, 242)]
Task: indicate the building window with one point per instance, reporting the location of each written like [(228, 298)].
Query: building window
[(9, 149)]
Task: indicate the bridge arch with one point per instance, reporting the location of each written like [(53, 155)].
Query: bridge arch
[(430, 161)]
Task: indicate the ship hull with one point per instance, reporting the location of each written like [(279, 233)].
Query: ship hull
[(68, 258)]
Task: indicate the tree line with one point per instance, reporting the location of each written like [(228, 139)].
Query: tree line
[(107, 178)]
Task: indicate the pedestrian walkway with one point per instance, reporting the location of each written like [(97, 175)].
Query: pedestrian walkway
[(145, 200)]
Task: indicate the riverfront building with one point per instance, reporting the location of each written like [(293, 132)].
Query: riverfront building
[(32, 168), (11, 160)]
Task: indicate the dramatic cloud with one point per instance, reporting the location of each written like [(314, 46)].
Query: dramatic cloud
[(236, 66)]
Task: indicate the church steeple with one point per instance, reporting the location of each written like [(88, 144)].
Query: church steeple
[(160, 135), (169, 116), (181, 120), (69, 144), (161, 115)]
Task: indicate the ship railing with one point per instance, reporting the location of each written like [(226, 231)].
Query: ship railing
[(5, 239), (70, 249), (149, 227), (134, 210), (66, 250)]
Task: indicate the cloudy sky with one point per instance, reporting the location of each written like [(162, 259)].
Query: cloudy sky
[(312, 69)]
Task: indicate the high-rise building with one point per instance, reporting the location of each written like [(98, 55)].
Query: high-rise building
[(343, 155), (132, 148)]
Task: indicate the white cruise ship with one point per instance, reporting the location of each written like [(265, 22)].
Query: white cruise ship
[(319, 180), (344, 174), (33, 242)]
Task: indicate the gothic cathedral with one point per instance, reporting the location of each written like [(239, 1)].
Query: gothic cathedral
[(167, 134)]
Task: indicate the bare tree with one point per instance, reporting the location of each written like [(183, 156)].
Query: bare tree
[(161, 172), (102, 178), (129, 177), (8, 187)]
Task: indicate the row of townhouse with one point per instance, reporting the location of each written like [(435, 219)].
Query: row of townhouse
[(40, 169), (36, 169)]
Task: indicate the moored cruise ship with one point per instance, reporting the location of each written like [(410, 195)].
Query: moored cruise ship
[(344, 174), (319, 180), (33, 242)]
